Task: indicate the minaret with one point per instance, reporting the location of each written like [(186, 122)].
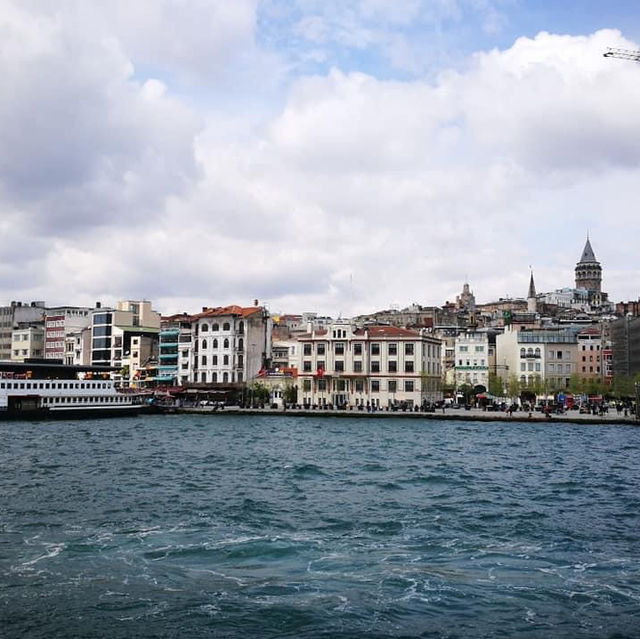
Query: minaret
[(532, 306), (589, 271)]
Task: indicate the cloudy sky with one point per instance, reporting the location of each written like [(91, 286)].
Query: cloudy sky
[(340, 156)]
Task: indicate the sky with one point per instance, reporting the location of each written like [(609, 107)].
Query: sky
[(337, 156)]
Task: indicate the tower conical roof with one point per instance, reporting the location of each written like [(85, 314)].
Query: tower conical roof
[(587, 254), (532, 288)]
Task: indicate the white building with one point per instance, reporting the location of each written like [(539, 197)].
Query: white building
[(232, 344), (377, 366), (472, 359)]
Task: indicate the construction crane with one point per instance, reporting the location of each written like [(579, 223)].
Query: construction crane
[(623, 54)]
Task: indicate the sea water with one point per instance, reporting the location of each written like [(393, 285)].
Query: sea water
[(280, 526)]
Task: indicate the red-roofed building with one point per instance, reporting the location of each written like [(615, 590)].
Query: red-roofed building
[(379, 366), (230, 344)]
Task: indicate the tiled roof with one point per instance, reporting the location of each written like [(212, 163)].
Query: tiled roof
[(388, 331), (238, 311)]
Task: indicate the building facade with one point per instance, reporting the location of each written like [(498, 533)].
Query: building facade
[(62, 321), (472, 359), (232, 344), (125, 337), (27, 341), (549, 355), (375, 366)]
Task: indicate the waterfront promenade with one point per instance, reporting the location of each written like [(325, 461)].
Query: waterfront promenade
[(473, 414)]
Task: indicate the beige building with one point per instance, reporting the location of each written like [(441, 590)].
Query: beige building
[(27, 341), (377, 366), (550, 354)]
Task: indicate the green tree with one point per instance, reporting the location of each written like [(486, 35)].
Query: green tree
[(513, 386), (496, 385), (467, 391), (290, 394), (576, 384)]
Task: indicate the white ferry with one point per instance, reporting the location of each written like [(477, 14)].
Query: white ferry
[(45, 389)]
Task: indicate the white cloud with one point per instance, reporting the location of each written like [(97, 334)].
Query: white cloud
[(348, 194)]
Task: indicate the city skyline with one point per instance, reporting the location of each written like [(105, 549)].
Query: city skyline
[(339, 157)]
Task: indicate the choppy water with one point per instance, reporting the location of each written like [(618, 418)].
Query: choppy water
[(284, 527)]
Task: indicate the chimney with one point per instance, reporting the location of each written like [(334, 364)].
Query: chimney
[(98, 304), (255, 302)]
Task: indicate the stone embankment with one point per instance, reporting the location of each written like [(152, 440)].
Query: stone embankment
[(474, 414)]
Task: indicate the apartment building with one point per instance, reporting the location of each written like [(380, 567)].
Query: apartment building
[(231, 344), (175, 350), (61, 321), (549, 354), (379, 366), (472, 359), (126, 337), (27, 341), (11, 316)]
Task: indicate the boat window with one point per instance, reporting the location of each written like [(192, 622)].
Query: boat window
[(21, 384), (1, 384)]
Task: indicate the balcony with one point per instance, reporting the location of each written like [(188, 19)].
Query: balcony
[(530, 356)]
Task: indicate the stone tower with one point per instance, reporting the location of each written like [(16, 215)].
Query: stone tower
[(589, 271), (532, 306)]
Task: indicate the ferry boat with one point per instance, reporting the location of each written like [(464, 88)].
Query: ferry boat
[(49, 389)]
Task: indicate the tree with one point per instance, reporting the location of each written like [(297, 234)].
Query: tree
[(290, 394), (467, 391), (513, 386), (258, 393), (576, 384), (496, 385)]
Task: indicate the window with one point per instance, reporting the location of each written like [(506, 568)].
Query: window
[(214, 378), (322, 384), (359, 386), (241, 327), (215, 343), (408, 349), (225, 377), (392, 385), (523, 366), (375, 349), (306, 385), (357, 366), (225, 360), (408, 367), (215, 327), (375, 366), (393, 349), (464, 349), (306, 349), (339, 348), (357, 348), (306, 366), (225, 343), (214, 360), (226, 326), (480, 349), (339, 366), (375, 386), (241, 344), (204, 344), (537, 366), (393, 366), (408, 386), (320, 364), (320, 348), (204, 328)]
